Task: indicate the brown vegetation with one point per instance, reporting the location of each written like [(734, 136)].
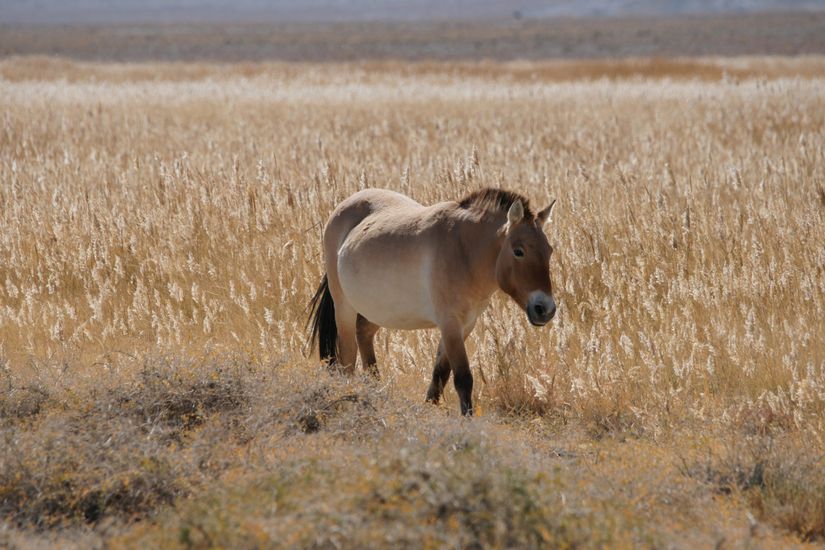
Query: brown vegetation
[(160, 238)]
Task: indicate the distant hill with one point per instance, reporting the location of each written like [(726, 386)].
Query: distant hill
[(525, 38), (317, 11), (666, 8)]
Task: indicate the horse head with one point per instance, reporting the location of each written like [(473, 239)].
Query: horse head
[(523, 264)]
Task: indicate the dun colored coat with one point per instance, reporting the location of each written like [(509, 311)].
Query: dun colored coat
[(392, 262)]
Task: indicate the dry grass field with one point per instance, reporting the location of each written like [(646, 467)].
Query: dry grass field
[(160, 238)]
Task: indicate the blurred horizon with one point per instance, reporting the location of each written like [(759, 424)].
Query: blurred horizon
[(413, 30), (34, 12)]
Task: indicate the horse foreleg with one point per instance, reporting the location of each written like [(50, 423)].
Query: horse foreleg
[(441, 373), (365, 333), (462, 377)]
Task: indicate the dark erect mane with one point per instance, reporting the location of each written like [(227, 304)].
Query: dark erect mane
[(495, 200)]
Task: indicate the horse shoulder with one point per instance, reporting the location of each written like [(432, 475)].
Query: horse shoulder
[(451, 274)]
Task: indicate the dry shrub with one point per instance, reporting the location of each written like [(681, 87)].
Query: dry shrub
[(450, 486), (81, 469), (793, 495), (123, 447), (172, 396), (109, 451), (780, 478), (25, 400), (317, 412)]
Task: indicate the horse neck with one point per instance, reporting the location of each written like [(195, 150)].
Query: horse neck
[(482, 241)]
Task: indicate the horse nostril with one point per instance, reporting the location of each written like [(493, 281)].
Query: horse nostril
[(539, 309)]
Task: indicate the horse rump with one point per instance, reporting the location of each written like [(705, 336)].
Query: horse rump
[(322, 317)]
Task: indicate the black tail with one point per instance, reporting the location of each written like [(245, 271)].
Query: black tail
[(322, 317)]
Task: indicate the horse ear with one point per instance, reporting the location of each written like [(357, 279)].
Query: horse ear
[(544, 215), (516, 213)]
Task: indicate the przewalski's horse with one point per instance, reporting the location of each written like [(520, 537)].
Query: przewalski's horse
[(392, 262)]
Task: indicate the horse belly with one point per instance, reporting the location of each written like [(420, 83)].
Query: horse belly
[(392, 293)]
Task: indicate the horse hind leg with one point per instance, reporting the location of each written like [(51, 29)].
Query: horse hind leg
[(345, 322), (365, 334), (441, 374)]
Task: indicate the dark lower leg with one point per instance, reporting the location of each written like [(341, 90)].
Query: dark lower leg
[(463, 381), (453, 339), (441, 373)]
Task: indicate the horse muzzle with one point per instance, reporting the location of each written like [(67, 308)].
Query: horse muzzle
[(541, 308)]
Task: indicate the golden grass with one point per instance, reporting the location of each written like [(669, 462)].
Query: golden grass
[(176, 220), (39, 68)]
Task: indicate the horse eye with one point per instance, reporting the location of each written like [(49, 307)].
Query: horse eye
[(518, 252)]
